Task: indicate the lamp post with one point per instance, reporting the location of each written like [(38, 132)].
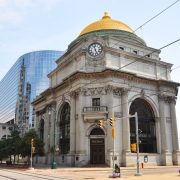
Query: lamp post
[(53, 165)]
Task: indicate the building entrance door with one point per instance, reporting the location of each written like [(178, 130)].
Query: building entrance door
[(97, 151)]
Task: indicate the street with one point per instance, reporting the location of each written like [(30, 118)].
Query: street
[(160, 173)]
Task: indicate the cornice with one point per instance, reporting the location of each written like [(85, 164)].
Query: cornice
[(105, 73)]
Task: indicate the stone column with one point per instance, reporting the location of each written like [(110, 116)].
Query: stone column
[(73, 128), (73, 124), (126, 153), (110, 143), (166, 157), (80, 132), (175, 142)]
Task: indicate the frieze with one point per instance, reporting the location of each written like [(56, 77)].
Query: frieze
[(95, 91), (100, 91)]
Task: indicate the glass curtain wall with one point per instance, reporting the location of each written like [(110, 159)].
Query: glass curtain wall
[(24, 81)]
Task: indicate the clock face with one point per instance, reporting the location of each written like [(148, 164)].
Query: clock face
[(95, 49)]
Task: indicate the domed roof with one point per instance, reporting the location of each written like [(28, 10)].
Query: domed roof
[(106, 23)]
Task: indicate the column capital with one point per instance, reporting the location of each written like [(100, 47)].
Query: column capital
[(125, 90), (167, 98)]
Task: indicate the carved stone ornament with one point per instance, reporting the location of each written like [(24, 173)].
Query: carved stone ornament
[(166, 98), (142, 92), (117, 91), (95, 91), (100, 91), (96, 61), (117, 114), (63, 98)]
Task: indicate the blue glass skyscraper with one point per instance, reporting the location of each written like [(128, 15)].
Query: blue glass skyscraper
[(26, 79)]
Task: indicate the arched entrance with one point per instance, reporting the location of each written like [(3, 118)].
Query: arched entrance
[(146, 126), (97, 146), (64, 141)]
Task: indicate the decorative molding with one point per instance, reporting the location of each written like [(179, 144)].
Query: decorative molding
[(168, 119)]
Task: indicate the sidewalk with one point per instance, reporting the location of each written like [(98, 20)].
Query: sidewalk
[(149, 173)]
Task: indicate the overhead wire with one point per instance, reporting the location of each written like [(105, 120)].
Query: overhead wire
[(140, 27), (67, 92), (156, 15), (169, 44)]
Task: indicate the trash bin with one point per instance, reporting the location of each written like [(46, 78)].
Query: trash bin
[(54, 165)]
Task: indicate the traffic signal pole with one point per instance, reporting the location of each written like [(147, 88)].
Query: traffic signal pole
[(137, 144), (31, 159)]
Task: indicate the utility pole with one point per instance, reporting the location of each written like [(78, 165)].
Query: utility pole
[(112, 124), (53, 165)]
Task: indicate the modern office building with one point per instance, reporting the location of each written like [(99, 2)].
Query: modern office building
[(26, 79), (108, 72)]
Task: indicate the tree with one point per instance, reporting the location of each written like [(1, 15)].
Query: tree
[(3, 152), (26, 144), (16, 144)]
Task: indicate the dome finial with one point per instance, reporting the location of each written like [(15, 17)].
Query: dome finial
[(106, 15)]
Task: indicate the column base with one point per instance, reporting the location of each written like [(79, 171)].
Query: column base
[(176, 157), (166, 159), (127, 159)]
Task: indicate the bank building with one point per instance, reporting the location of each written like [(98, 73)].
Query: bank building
[(108, 72)]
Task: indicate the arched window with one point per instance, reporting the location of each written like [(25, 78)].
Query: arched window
[(41, 129), (97, 131), (146, 126), (65, 129)]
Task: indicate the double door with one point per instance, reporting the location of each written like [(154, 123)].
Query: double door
[(97, 151)]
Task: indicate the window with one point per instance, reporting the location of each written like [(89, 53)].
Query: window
[(146, 123), (64, 140), (148, 55), (10, 128), (121, 48), (4, 127), (135, 52), (96, 102)]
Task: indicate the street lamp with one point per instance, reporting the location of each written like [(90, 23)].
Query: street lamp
[(53, 165)]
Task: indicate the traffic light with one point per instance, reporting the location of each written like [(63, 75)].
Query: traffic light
[(133, 147), (111, 122), (100, 123), (113, 131), (32, 142), (33, 149)]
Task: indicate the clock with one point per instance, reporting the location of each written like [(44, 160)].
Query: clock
[(95, 49)]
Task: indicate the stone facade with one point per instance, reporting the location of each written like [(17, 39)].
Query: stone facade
[(117, 77)]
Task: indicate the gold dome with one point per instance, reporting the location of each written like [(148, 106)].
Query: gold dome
[(106, 23)]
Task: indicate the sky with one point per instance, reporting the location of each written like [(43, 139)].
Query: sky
[(30, 25)]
